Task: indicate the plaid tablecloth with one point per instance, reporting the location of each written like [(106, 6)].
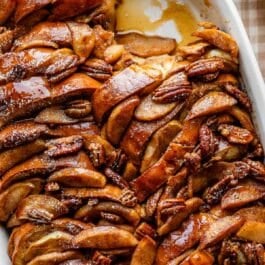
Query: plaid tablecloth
[(253, 16)]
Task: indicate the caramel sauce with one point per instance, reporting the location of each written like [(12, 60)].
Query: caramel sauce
[(165, 18)]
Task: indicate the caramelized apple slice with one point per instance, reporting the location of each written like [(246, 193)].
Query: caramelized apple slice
[(64, 9), (40, 208), (145, 252), (25, 7), (88, 128), (20, 133), (220, 229), (89, 212), (80, 160), (46, 34), (179, 241), (38, 165), (78, 177), (174, 221), (120, 118), (148, 110), (54, 115), (108, 192), (170, 162), (22, 236), (95, 237), (70, 225), (212, 103), (22, 98), (76, 84), (56, 241), (243, 117), (252, 231), (10, 198), (55, 258), (158, 143), (139, 133), (242, 194), (255, 213), (199, 257), (128, 82), (145, 46), (219, 39), (11, 157)]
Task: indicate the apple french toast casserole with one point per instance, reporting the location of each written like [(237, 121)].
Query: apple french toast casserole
[(124, 148)]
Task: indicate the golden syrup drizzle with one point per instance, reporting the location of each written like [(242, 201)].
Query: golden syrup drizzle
[(165, 18)]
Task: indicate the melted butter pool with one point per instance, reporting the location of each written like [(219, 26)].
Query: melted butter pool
[(165, 18)]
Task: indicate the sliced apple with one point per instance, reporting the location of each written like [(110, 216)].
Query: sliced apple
[(199, 257), (23, 98), (95, 237), (78, 177), (70, 225), (38, 165), (146, 46), (252, 231), (255, 213), (40, 208), (11, 157), (219, 39), (138, 134), (88, 128), (242, 194), (76, 84), (56, 241), (220, 229), (54, 115), (20, 133), (126, 83), (109, 192), (55, 258), (179, 241), (88, 212), (145, 252), (11, 197), (120, 118), (212, 103), (158, 143), (22, 237), (148, 110), (243, 117), (155, 176)]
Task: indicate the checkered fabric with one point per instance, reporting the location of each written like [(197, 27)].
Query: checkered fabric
[(253, 16)]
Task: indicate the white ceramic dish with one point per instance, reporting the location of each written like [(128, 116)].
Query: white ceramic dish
[(224, 14)]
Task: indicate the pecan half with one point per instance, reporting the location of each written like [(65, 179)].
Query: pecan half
[(170, 207), (97, 69), (175, 88), (208, 143), (100, 259), (96, 154), (78, 109), (116, 178), (128, 198)]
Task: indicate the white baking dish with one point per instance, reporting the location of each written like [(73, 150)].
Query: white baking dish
[(224, 14)]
